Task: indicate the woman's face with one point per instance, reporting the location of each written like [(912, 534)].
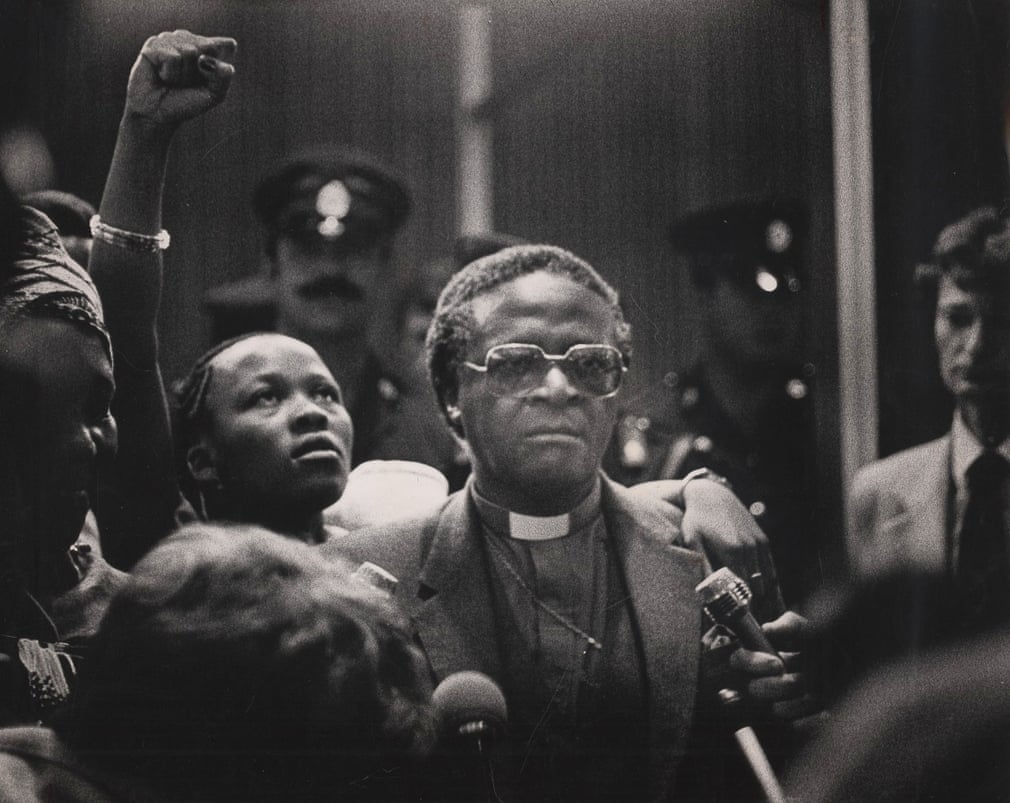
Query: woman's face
[(279, 436), (55, 428)]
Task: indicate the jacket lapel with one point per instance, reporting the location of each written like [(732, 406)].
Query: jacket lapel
[(661, 580), (921, 529), (455, 618)]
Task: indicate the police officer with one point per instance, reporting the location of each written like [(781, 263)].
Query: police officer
[(330, 215), (744, 408)]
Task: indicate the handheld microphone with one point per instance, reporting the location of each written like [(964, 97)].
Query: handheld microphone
[(473, 715), (727, 601), (472, 708)]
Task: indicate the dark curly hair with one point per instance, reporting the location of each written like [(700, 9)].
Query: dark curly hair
[(452, 327), (235, 664), (974, 252)]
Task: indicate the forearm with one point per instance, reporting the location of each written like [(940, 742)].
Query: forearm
[(130, 281), (174, 79), (136, 503)]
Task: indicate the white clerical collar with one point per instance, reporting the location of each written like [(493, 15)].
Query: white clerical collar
[(965, 448), (536, 528)]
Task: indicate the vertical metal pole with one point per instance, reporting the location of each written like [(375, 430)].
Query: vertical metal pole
[(857, 330), (474, 161)]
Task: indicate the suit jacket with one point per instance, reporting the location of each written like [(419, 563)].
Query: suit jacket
[(901, 599), (445, 588), (899, 513)]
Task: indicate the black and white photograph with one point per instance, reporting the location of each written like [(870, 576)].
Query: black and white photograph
[(521, 401)]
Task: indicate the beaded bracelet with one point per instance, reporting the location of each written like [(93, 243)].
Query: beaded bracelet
[(130, 240)]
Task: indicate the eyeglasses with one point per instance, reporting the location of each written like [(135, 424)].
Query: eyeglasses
[(515, 370)]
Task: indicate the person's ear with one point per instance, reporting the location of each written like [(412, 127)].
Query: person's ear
[(455, 416), (201, 464)]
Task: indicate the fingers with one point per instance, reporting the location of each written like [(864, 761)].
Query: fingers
[(778, 688), (176, 57), (221, 47), (178, 76), (217, 73), (790, 631), (756, 664)]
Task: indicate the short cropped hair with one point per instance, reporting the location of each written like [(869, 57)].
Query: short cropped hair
[(191, 420), (237, 663), (973, 251), (453, 325)]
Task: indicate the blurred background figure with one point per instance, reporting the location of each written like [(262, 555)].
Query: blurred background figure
[(929, 525), (72, 216), (57, 436), (744, 407), (236, 665), (924, 730), (330, 215), (416, 310), (417, 306)]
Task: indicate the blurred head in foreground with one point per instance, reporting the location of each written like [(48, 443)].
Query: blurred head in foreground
[(236, 663)]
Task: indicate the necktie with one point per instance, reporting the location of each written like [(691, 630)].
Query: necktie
[(982, 572)]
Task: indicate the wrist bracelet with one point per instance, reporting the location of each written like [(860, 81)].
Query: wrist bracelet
[(702, 473), (130, 240)]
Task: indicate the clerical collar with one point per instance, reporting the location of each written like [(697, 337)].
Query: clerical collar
[(965, 448), (536, 528)]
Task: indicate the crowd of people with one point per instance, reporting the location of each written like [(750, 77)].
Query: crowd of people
[(199, 605)]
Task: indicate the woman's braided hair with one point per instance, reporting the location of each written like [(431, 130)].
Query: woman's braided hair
[(191, 419)]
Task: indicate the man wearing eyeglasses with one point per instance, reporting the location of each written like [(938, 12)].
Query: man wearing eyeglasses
[(564, 587)]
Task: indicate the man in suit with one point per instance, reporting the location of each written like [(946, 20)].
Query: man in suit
[(565, 588), (937, 513)]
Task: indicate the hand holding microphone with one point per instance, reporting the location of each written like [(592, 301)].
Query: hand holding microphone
[(727, 601)]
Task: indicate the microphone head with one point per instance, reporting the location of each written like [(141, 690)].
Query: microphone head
[(470, 704), (723, 594)]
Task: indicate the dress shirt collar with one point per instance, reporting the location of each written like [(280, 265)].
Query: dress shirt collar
[(965, 448)]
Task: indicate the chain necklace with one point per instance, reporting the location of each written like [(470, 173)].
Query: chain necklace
[(564, 621)]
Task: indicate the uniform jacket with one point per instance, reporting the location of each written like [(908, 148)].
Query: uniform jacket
[(899, 513), (444, 586), (774, 476)]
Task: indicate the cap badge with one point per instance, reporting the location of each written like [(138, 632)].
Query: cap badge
[(766, 280), (796, 389), (333, 203), (778, 236)]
